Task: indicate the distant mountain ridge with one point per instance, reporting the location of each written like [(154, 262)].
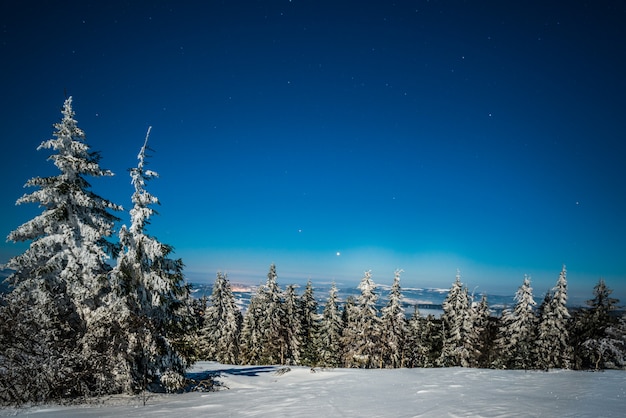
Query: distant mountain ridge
[(427, 300)]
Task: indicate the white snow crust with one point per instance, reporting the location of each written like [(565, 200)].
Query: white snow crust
[(259, 391)]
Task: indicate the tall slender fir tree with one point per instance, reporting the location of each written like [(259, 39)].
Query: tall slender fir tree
[(309, 330), (480, 335), (456, 322), (222, 324), (361, 336), (251, 337), (330, 331), (553, 345), (291, 327), (273, 334), (517, 331), (394, 327), (154, 292)]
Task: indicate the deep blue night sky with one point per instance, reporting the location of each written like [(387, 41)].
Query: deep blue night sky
[(333, 137)]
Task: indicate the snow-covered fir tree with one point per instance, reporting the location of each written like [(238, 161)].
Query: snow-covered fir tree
[(456, 323), (589, 328), (394, 327), (330, 331), (265, 337), (251, 337), (553, 345), (480, 337), (59, 284), (291, 327), (273, 321), (415, 350), (309, 330), (222, 324), (350, 334), (432, 339), (151, 284), (69, 239), (517, 331), (362, 333)]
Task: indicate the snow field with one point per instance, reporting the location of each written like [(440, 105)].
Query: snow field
[(259, 391)]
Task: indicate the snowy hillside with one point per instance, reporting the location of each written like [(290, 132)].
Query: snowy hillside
[(265, 391)]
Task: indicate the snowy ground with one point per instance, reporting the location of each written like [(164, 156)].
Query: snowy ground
[(452, 392)]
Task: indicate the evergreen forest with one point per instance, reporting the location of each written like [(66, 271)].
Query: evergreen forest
[(91, 309)]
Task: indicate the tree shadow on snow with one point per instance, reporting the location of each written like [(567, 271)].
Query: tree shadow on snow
[(251, 371)]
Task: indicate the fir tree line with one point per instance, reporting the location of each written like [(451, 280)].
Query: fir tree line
[(280, 327)]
